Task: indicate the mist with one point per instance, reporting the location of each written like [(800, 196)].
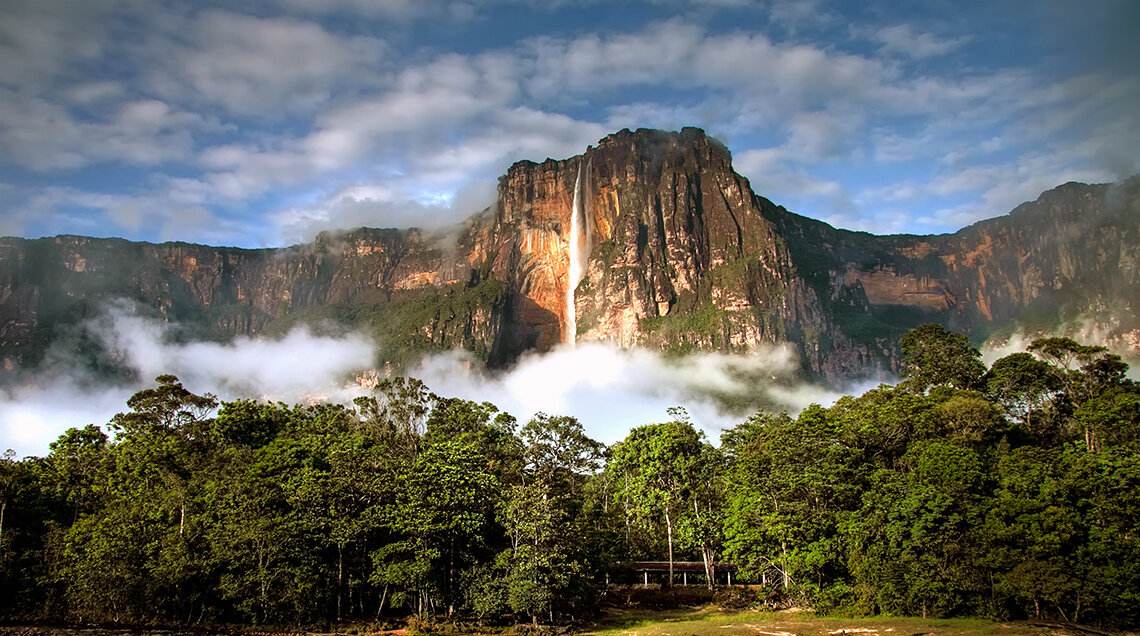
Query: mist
[(1085, 332), (609, 389), (64, 392)]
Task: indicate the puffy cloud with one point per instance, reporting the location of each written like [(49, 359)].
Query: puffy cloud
[(262, 65), (171, 216), (904, 39), (45, 136), (40, 42), (608, 388), (369, 205), (199, 113), (299, 367), (611, 390)]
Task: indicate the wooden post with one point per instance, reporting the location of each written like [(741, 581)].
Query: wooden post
[(646, 573), (685, 579), (730, 577)]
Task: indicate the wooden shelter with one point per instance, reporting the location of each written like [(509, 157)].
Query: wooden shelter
[(684, 568)]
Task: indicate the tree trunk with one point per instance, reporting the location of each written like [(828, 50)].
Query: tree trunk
[(383, 597), (784, 570), (669, 531), (261, 583), (3, 507), (339, 577), (710, 576), (706, 551), (451, 578)]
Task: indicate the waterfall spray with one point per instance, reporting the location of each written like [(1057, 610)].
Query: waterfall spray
[(579, 252)]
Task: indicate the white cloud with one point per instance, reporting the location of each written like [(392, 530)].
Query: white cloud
[(262, 66), (204, 108), (611, 390), (996, 189), (94, 92), (775, 173), (45, 136), (795, 14), (608, 388), (372, 205), (299, 367), (817, 136), (396, 10), (41, 41), (170, 216), (904, 39), (34, 416)]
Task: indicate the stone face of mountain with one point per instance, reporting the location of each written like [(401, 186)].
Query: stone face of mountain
[(50, 287), (648, 239), (1067, 262), (682, 256)]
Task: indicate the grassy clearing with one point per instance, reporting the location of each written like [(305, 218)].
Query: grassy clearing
[(711, 621)]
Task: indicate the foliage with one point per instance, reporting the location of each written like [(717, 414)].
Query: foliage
[(933, 356), (1009, 492)]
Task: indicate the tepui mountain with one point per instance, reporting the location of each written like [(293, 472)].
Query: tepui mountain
[(648, 239)]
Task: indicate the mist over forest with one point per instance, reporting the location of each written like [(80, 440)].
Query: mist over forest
[(405, 317), (1005, 491), (609, 389)]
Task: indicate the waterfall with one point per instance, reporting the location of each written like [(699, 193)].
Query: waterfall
[(579, 253)]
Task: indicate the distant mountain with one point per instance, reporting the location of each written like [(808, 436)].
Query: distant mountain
[(648, 239)]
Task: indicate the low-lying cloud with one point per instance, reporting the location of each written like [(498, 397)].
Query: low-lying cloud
[(609, 389), (1086, 332), (300, 367)]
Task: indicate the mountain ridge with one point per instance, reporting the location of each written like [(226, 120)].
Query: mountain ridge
[(680, 254)]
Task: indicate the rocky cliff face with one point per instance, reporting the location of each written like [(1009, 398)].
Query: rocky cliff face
[(49, 286), (1067, 262), (648, 239), (682, 256)]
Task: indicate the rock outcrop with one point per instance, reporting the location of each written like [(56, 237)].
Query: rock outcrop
[(676, 253), (683, 256)]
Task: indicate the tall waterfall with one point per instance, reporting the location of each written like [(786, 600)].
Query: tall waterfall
[(579, 256)]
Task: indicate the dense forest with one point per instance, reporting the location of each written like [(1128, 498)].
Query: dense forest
[(1006, 492)]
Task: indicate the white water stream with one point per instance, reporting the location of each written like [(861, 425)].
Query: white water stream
[(579, 253)]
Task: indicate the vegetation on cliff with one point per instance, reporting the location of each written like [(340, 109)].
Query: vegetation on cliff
[(685, 257), (1012, 491)]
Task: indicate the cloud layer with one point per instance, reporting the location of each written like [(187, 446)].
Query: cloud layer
[(609, 389), (263, 125)]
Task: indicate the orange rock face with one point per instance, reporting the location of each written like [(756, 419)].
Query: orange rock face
[(683, 256)]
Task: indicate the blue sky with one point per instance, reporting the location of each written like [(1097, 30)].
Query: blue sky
[(261, 123)]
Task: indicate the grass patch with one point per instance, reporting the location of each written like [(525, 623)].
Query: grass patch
[(712, 621)]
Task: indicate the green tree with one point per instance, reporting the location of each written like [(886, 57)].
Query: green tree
[(1098, 372), (933, 356), (1023, 385), (169, 407), (1032, 532), (546, 566), (1112, 418), (75, 468), (441, 521), (396, 413), (915, 541), (656, 466), (791, 483)]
